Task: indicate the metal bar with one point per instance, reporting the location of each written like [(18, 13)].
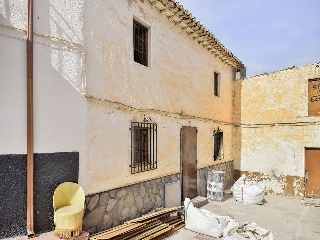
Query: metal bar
[(139, 146), (132, 146), (142, 148), (152, 148), (30, 139), (150, 145), (145, 146), (156, 128), (153, 132)]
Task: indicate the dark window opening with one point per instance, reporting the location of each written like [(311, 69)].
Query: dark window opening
[(216, 84), (143, 146), (218, 145), (140, 43)]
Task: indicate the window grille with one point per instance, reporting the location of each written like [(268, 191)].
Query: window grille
[(216, 84), (218, 145), (143, 146), (140, 43)]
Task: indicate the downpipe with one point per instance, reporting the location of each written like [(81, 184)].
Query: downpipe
[(30, 139)]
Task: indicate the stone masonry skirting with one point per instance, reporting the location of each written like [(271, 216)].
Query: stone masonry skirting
[(111, 208)]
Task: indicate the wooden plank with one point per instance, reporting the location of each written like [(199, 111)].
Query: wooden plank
[(131, 234), (110, 235), (110, 230), (175, 228), (155, 214), (145, 227), (151, 231), (125, 228), (158, 233), (168, 219)]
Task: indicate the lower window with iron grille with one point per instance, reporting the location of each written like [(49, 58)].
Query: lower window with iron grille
[(143, 146), (218, 145)]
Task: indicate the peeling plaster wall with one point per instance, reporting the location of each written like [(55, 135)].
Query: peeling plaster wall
[(275, 127), (177, 84)]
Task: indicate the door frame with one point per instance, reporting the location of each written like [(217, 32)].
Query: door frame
[(181, 160), (305, 167)]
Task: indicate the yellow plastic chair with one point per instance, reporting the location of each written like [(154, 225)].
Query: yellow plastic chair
[(68, 205)]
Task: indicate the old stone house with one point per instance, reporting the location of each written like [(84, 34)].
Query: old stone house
[(125, 93), (128, 94), (278, 133)]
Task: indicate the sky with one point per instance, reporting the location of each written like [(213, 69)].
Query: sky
[(266, 35)]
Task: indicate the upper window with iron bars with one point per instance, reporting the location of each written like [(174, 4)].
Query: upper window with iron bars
[(143, 146), (140, 43), (216, 84)]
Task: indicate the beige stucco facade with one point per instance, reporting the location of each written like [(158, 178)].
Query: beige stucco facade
[(273, 128), (175, 90)]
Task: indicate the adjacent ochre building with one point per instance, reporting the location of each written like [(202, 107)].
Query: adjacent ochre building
[(131, 96), (278, 130)]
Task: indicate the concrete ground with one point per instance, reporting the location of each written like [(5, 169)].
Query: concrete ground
[(286, 217)]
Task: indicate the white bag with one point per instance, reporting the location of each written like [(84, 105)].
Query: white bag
[(204, 221), (249, 230), (247, 191)]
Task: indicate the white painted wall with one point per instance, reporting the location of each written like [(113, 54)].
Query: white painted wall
[(59, 107), (13, 98)]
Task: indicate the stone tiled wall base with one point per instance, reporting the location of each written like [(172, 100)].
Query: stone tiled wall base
[(226, 167), (111, 208), (286, 185)]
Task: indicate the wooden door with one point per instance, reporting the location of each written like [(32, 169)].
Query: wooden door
[(189, 161), (313, 173)]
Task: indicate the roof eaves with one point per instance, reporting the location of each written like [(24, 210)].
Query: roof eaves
[(196, 30)]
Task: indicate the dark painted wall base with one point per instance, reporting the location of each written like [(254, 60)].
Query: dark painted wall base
[(13, 195), (50, 169)]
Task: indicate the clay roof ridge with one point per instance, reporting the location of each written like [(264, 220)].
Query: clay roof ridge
[(183, 19)]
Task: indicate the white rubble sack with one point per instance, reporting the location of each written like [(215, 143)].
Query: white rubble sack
[(249, 230), (204, 221), (247, 191)]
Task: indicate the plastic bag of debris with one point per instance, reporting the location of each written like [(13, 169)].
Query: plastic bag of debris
[(204, 221), (215, 185), (249, 230), (247, 191)]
